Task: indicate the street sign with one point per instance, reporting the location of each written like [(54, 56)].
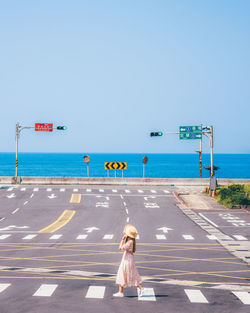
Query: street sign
[(86, 159), (145, 160), (190, 129), (190, 132), (47, 127), (115, 165), (190, 136)]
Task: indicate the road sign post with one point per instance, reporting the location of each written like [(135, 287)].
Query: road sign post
[(86, 159), (144, 161)]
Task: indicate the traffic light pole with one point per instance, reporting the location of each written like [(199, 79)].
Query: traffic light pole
[(19, 128)]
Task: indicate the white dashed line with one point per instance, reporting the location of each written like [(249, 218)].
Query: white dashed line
[(160, 237), (45, 290), (166, 191), (62, 189), (3, 287), (127, 191), (2, 237), (153, 191), (55, 237), (127, 211), (212, 237), (32, 195), (114, 190), (101, 190), (243, 296), (208, 220), (148, 295), (82, 237), (108, 236), (35, 189), (88, 190), (75, 190), (239, 237), (124, 203), (10, 189), (96, 292), (188, 237), (127, 219), (25, 202), (15, 211), (29, 237), (49, 189), (195, 296), (140, 191), (23, 189)]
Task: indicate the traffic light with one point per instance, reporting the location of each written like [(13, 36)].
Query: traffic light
[(156, 134), (61, 127)]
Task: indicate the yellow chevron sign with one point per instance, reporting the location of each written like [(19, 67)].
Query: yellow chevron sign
[(115, 165)]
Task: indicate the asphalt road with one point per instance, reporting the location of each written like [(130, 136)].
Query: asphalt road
[(59, 252)]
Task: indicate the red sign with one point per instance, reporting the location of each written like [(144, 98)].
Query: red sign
[(45, 127)]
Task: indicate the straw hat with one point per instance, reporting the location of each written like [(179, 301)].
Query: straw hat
[(130, 231)]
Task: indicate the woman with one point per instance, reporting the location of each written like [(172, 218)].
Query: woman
[(127, 274)]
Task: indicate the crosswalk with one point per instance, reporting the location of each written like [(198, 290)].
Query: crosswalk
[(150, 294), (90, 190), (78, 237)]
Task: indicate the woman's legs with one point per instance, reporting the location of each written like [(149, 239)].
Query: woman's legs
[(140, 287), (120, 288)]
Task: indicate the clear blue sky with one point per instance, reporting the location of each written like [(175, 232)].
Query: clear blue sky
[(113, 71)]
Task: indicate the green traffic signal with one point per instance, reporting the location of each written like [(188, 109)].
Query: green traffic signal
[(61, 127), (156, 134)]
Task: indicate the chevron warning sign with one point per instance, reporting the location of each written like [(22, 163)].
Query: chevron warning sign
[(115, 165)]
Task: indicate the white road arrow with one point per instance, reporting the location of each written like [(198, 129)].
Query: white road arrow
[(52, 196), (164, 229), (12, 227), (90, 229), (11, 196)]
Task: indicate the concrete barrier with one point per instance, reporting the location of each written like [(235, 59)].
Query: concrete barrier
[(117, 181)]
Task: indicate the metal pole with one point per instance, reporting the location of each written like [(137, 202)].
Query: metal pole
[(17, 135), (88, 170), (201, 158), (211, 151), (122, 173), (143, 170), (115, 173)]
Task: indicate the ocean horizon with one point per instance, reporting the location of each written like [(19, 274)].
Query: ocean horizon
[(160, 165)]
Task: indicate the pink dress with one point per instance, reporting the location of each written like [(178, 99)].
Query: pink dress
[(127, 274)]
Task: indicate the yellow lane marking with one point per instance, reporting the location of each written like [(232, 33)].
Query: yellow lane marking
[(75, 198), (60, 222)]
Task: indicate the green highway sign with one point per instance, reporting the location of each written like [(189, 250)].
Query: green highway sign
[(190, 129), (190, 136), (190, 132)]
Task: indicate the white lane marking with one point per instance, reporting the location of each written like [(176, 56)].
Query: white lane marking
[(96, 292), (140, 191), (124, 203), (101, 190), (29, 237), (45, 290), (212, 237), (127, 211), (195, 296), (11, 196), (81, 236), (75, 190), (166, 191), (239, 237), (127, 219), (90, 229), (55, 237), (52, 196), (164, 229), (25, 202), (127, 191), (10, 227), (153, 191), (2, 237), (114, 190), (2, 218), (88, 190), (160, 237), (208, 220), (15, 211), (108, 236), (10, 189), (62, 189), (31, 196), (122, 197), (243, 296), (35, 189), (148, 295), (23, 189), (49, 189), (188, 237), (3, 287)]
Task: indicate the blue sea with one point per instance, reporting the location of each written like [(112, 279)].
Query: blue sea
[(158, 166)]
